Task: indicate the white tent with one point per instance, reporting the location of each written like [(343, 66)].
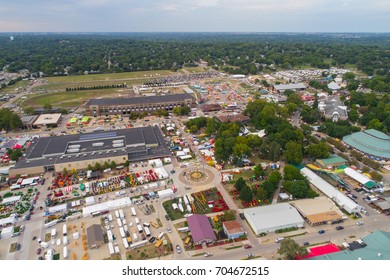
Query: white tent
[(161, 172), (10, 200), (7, 232), (362, 179), (345, 202), (90, 200)]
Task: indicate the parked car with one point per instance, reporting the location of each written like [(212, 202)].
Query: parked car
[(321, 231), (358, 215), (169, 230), (167, 217), (207, 254), (306, 243), (247, 246), (39, 251), (178, 249), (339, 227), (151, 240), (359, 223)]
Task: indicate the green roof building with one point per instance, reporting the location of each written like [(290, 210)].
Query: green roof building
[(370, 142), (332, 161), (375, 246)]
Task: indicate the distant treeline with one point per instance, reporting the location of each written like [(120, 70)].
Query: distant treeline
[(96, 87)]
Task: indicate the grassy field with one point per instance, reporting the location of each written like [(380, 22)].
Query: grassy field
[(107, 77), (11, 89), (67, 99), (193, 69)]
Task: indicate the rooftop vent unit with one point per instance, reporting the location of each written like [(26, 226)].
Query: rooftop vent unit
[(117, 141), (98, 144), (74, 146), (117, 145), (73, 150)]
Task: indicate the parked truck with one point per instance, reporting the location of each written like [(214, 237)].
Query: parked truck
[(133, 212), (125, 243), (121, 214), (119, 222), (64, 230), (139, 227), (122, 232)]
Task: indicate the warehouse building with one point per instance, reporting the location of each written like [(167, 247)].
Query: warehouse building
[(80, 150), (283, 87), (142, 104), (371, 142), (95, 236), (48, 120), (269, 218), (319, 210)]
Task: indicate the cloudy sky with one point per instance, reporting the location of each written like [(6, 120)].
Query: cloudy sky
[(195, 15)]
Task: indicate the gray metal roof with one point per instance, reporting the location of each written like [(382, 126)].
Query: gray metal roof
[(272, 216), (52, 150), (283, 87), (139, 100)]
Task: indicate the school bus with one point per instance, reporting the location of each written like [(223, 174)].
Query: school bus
[(158, 244), (155, 225)]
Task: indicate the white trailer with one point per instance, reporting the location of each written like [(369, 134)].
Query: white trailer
[(125, 228), (133, 212), (135, 237), (122, 232), (119, 222), (117, 213), (65, 240), (110, 217), (64, 230), (124, 221), (117, 249), (125, 243), (44, 245), (137, 221), (181, 208), (186, 200), (110, 236), (65, 252), (139, 227), (53, 233), (121, 214), (147, 231), (111, 248)]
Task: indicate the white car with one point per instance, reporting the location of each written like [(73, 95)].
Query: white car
[(359, 223)]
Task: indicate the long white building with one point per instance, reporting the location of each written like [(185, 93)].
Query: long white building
[(338, 197)]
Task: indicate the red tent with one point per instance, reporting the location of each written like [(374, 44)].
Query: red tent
[(17, 146)]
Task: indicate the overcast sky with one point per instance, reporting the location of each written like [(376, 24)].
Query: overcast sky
[(195, 15)]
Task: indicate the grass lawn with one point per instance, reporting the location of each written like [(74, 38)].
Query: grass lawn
[(11, 89), (70, 98), (244, 174), (194, 69), (108, 77), (12, 248), (149, 251)]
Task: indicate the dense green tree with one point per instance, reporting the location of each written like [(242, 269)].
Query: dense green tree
[(275, 178), (246, 194), (259, 171), (29, 110), (292, 173), (320, 150), (9, 120), (289, 249), (239, 184), (293, 153)]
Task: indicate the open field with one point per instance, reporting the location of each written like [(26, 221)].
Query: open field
[(193, 69), (108, 77), (11, 89), (68, 99)]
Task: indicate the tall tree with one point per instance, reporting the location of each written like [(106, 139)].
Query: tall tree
[(289, 249), (293, 153)]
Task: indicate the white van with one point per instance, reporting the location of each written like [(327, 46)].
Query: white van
[(279, 239)]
